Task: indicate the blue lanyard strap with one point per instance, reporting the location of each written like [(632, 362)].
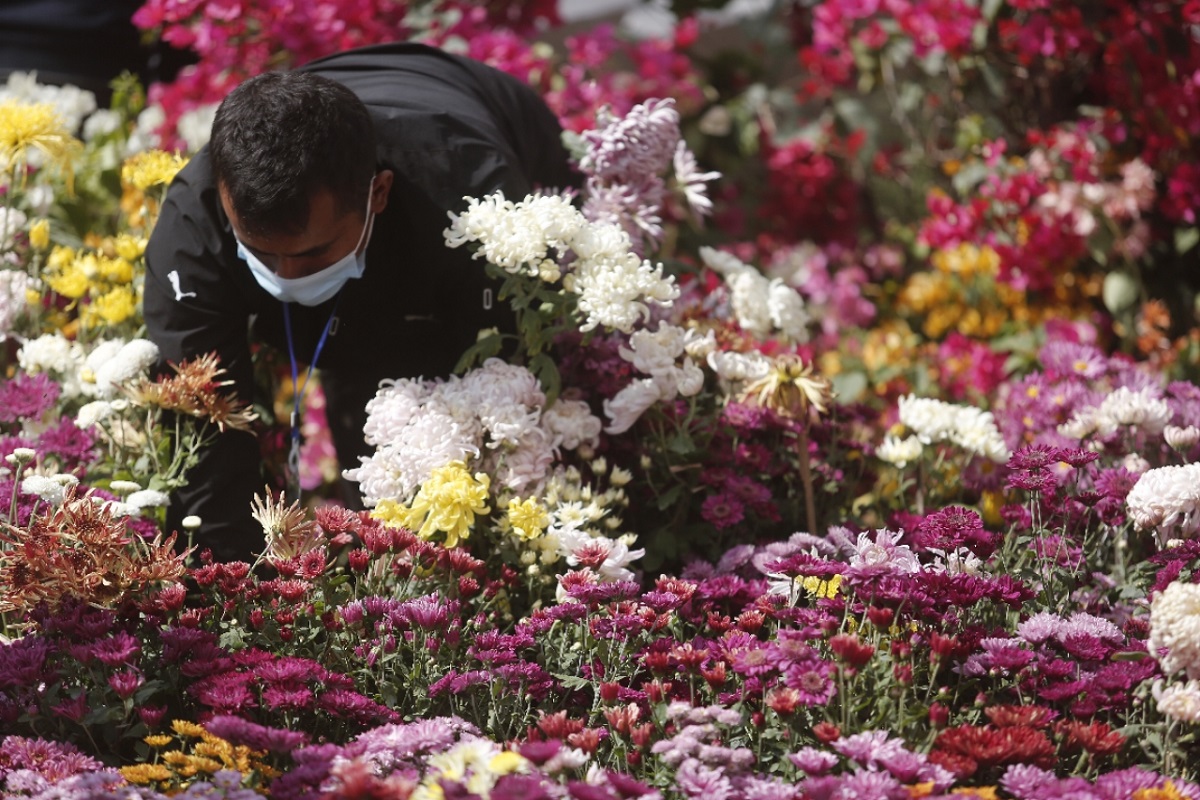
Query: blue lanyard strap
[(298, 391)]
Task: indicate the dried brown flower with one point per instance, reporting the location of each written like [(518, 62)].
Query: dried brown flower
[(81, 550), (195, 391), (288, 530), (790, 389)]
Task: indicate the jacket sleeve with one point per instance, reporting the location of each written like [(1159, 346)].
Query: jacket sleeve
[(192, 307)]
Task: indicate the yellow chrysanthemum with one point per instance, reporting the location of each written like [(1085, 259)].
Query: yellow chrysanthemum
[(185, 728), (129, 247), (819, 588), (115, 306), (70, 282), (528, 518), (1166, 792), (39, 234), (143, 774), (448, 502), (151, 168), (983, 792), (158, 740), (115, 270), (35, 126), (507, 762)]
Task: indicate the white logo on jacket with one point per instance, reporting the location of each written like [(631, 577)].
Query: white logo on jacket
[(173, 277)]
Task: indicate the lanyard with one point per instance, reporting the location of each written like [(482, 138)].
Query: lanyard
[(298, 390)]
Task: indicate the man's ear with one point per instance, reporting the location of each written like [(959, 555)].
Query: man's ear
[(381, 189)]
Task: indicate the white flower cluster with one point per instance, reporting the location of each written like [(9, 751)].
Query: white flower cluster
[(1179, 701), (533, 237), (71, 103), (1167, 499), (658, 354), (899, 452), (1175, 629), (14, 285), (762, 306), (97, 373), (970, 428), (1142, 410), (494, 415)]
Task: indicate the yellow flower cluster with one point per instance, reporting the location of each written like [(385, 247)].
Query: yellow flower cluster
[(35, 127), (151, 168), (139, 174), (826, 589), (208, 754), (527, 518), (103, 282), (447, 502), (477, 764)]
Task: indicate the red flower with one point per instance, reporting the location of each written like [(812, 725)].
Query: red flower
[(852, 650)]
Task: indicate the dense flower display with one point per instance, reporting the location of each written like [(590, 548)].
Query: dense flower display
[(846, 444)]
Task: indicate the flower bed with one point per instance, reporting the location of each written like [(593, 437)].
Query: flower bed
[(789, 489)]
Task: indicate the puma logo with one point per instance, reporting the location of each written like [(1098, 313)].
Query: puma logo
[(173, 277)]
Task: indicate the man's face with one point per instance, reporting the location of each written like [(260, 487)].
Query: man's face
[(329, 235)]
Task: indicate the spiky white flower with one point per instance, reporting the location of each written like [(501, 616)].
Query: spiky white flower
[(899, 452)]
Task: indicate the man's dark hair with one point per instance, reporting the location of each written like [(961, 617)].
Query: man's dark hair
[(280, 136)]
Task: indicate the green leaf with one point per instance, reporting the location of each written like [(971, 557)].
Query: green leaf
[(1186, 239), (669, 498)]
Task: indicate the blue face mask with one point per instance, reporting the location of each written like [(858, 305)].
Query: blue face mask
[(314, 289)]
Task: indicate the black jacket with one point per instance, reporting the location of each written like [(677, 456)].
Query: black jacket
[(449, 128)]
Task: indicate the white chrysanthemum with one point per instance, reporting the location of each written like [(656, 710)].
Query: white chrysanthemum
[(1142, 409), (56, 355), (749, 296), (92, 413), (14, 286), (524, 467), (1167, 499), (613, 292), (433, 439), (392, 408), (883, 550), (968, 427), (930, 420), (630, 403), (145, 134), (101, 123), (131, 359), (517, 237), (787, 311), (899, 452), (1180, 701), (148, 498), (655, 351), (50, 489), (195, 126), (735, 367), (722, 262), (691, 181), (609, 557), (1175, 629), (1180, 438), (975, 431), (571, 423)]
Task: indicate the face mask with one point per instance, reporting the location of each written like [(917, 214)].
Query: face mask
[(314, 289)]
